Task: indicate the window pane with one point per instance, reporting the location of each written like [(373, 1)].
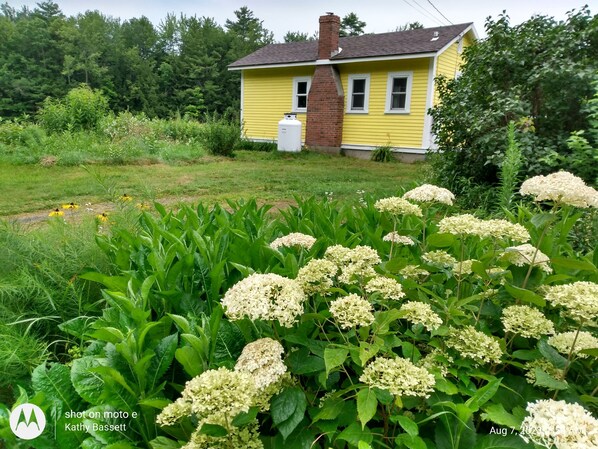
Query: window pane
[(359, 86), (301, 101), (302, 87), (398, 101), (358, 101), (399, 85)]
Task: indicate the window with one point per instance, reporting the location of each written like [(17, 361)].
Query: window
[(301, 86), (398, 92), (359, 93)]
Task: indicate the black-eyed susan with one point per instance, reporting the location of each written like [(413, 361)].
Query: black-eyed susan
[(56, 213), (143, 206), (70, 206), (125, 197), (103, 217)]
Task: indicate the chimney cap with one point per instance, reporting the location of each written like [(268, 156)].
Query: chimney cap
[(330, 13)]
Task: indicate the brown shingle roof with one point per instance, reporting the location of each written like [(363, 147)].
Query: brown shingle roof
[(365, 46)]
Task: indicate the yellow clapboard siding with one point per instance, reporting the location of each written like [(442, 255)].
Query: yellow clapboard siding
[(377, 128), (450, 60), (267, 96)]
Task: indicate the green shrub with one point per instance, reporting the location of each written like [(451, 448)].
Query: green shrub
[(82, 109), (251, 145), (219, 136), (382, 154)]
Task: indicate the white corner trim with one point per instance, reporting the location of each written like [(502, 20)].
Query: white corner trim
[(427, 140), (242, 96)]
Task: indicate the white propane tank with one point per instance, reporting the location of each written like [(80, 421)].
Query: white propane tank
[(289, 133)]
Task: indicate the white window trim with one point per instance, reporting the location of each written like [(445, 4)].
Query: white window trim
[(391, 76), (366, 99), (297, 80)]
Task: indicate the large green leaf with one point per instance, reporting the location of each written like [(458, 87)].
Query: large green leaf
[(552, 355), (288, 409), (87, 383), (525, 295), (56, 385), (334, 357), (354, 434), (544, 379), (367, 403), (497, 414), (483, 395), (164, 355)]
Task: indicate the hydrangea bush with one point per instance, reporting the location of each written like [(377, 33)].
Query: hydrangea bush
[(318, 330)]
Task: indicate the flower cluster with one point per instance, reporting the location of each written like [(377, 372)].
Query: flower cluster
[(395, 237), (317, 276), (464, 267), (527, 254), (246, 437), (387, 287), (439, 258), (356, 263), (526, 321), (398, 206), (262, 359), (558, 423), (430, 193), (565, 341), (413, 272), (467, 224), (352, 311), (543, 365), (473, 344), (399, 377), (213, 397), (561, 188), (436, 361), (294, 239), (265, 297), (580, 299), (421, 313)]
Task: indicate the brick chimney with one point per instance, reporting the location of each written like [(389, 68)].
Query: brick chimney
[(330, 26), (326, 99)]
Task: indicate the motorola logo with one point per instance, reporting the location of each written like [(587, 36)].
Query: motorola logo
[(27, 421)]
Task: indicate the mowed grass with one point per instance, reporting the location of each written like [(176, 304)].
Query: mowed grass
[(271, 177)]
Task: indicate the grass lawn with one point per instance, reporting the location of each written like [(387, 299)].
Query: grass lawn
[(273, 177)]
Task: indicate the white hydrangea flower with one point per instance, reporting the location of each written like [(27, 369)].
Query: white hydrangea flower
[(463, 224), (352, 311), (563, 342), (413, 272), (246, 437), (559, 424), (399, 377), (265, 297), (526, 321), (562, 188), (430, 193), (526, 254), (399, 239), (355, 264), (579, 298), (398, 206), (473, 344), (294, 239), (467, 224), (545, 366), (387, 287), (463, 268), (317, 276), (439, 258), (421, 313), (262, 359)]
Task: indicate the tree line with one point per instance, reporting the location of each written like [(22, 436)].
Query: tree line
[(178, 66)]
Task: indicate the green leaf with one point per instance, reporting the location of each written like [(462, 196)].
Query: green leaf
[(367, 403), (544, 379), (363, 445), (542, 219), (382, 320), (330, 410), (573, 264), (334, 357), (77, 326), (164, 354), (525, 295), (89, 385), (441, 240), (288, 409), (56, 385), (157, 403), (552, 354), (483, 395), (245, 418), (407, 424), (500, 441), (590, 351), (498, 415), (354, 434), (164, 443), (300, 362), (190, 360), (411, 441), (213, 430)]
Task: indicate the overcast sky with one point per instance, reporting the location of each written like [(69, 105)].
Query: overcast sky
[(281, 16)]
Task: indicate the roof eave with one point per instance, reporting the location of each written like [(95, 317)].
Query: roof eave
[(336, 61)]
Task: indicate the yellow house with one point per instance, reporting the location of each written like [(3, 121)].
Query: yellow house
[(352, 93)]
